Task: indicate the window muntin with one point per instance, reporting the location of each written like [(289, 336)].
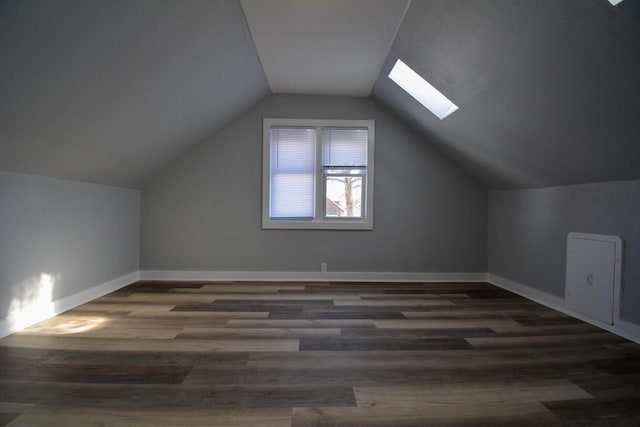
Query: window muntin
[(318, 174)]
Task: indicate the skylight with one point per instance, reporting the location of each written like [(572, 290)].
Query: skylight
[(421, 90), (614, 2)]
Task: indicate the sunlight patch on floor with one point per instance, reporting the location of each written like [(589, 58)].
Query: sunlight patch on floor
[(66, 325)]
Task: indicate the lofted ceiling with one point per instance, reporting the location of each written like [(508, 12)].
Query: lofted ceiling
[(112, 91), (328, 47), (549, 92)]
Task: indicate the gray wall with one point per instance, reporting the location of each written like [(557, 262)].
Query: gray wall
[(528, 231), (80, 234), (203, 212)]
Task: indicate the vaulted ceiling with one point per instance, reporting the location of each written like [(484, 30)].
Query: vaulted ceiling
[(111, 91), (549, 91)]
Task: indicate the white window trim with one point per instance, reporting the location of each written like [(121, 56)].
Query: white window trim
[(319, 222)]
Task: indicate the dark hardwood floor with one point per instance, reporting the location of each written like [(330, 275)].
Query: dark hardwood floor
[(317, 354)]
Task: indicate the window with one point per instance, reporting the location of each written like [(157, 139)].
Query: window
[(318, 174), (421, 90)]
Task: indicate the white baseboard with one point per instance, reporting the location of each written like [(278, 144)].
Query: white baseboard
[(313, 276), (9, 326), (620, 327), (528, 292)]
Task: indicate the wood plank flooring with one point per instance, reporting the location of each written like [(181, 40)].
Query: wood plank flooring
[(317, 354)]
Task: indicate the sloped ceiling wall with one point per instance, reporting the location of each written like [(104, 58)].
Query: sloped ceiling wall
[(549, 91), (323, 47), (108, 91), (111, 91)]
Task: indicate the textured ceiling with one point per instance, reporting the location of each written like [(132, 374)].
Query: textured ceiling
[(111, 91)]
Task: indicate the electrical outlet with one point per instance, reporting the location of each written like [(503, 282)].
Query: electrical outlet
[(323, 267)]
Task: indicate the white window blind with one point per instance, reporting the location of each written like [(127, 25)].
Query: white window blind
[(344, 147), (317, 174), (293, 157)]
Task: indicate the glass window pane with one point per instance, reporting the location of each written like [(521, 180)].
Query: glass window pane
[(343, 196)]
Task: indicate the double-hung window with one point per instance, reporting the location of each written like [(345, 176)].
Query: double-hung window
[(318, 174)]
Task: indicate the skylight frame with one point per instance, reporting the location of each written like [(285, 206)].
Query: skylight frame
[(420, 89)]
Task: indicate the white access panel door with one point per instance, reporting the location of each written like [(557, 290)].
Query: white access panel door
[(593, 275)]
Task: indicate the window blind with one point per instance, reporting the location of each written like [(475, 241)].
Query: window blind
[(344, 147), (293, 154)]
